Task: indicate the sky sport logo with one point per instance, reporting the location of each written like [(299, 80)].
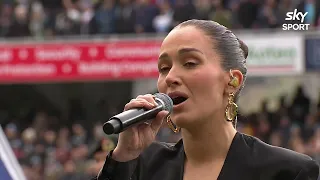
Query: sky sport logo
[(294, 17)]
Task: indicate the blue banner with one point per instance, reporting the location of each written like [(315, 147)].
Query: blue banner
[(9, 166), (313, 54), (4, 174)]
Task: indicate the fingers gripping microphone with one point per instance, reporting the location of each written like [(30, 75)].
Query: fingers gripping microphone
[(126, 119)]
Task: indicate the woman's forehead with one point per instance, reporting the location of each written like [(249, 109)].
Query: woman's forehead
[(186, 36)]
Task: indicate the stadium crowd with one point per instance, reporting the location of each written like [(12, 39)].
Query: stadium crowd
[(45, 18), (77, 152)]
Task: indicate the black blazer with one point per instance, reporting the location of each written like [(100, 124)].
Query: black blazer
[(248, 159)]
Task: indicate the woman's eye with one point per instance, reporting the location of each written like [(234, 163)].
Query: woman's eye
[(164, 69), (190, 64)]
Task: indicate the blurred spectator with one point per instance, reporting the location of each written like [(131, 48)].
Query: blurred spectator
[(269, 15), (37, 19), (104, 18), (40, 122), (318, 108), (295, 141), (63, 145), (98, 156), (70, 172), (309, 127), (79, 135), (203, 9), (234, 7), (20, 24), (285, 129), (315, 145), (281, 112), (276, 139), (6, 19), (310, 7), (221, 15), (263, 129), (29, 140), (163, 21), (284, 7), (300, 106), (145, 12), (86, 9), (182, 11), (125, 17), (247, 13), (11, 132), (52, 9)]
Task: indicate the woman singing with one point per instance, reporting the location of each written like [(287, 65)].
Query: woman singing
[(202, 67)]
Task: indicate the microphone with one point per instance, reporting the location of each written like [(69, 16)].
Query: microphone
[(126, 119)]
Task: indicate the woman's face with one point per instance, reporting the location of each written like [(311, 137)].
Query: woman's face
[(190, 67)]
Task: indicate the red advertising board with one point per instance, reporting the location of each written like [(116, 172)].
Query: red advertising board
[(86, 60), (270, 54)]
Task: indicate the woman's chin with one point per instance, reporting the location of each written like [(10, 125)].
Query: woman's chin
[(184, 121), (188, 122)]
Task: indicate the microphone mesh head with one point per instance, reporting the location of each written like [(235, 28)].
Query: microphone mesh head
[(168, 104)]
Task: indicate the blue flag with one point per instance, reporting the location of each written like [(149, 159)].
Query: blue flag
[(10, 169), (4, 174)]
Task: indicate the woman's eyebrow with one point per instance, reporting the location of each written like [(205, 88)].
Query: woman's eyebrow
[(187, 50), (180, 52)]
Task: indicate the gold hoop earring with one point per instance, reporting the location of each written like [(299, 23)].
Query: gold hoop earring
[(231, 109), (172, 126)]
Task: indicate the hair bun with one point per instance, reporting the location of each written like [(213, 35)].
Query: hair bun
[(244, 48)]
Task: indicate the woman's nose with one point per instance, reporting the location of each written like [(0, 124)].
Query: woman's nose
[(173, 78)]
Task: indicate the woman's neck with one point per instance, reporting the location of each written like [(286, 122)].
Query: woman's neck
[(208, 142)]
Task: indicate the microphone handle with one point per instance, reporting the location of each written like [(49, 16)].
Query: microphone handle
[(126, 119)]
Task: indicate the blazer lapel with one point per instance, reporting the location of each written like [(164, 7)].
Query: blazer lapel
[(171, 169), (236, 165), (175, 168)]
